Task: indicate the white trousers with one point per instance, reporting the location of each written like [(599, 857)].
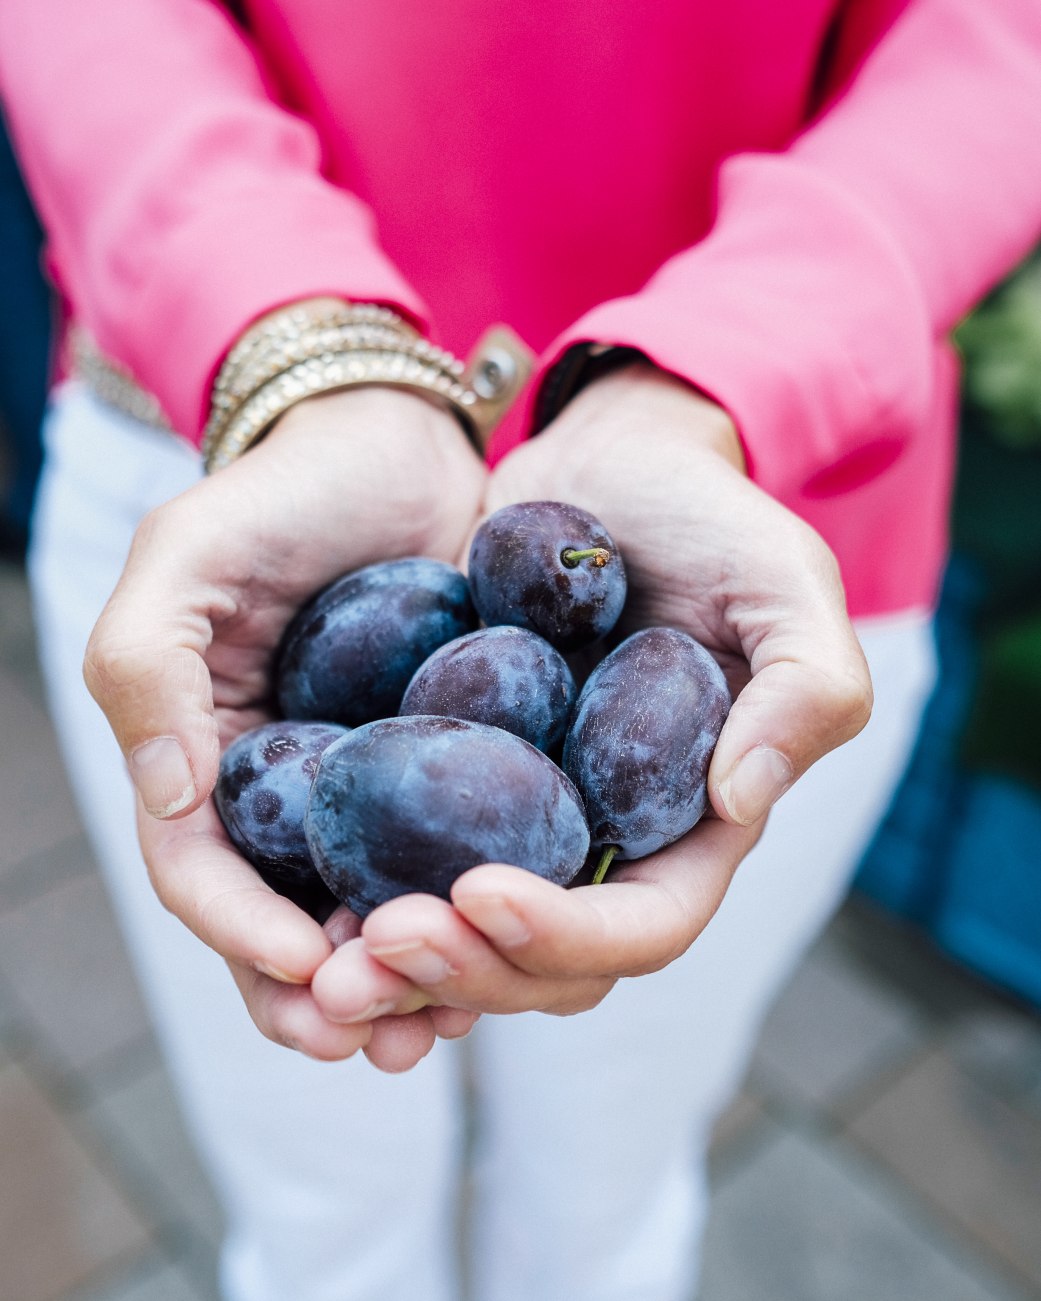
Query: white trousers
[(580, 1142)]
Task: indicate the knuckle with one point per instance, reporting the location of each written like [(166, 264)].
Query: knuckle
[(112, 663), (688, 924), (277, 1012), (656, 963), (816, 556), (231, 919), (159, 876), (155, 527), (166, 896), (319, 1051), (828, 563), (849, 702), (582, 999)]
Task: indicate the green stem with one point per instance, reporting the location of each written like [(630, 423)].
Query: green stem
[(598, 555), (606, 859)]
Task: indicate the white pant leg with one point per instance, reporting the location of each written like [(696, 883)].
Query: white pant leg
[(339, 1183), (592, 1130)]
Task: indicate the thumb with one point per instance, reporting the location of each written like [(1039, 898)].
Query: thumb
[(810, 692), (516, 477), (525, 473), (145, 667)]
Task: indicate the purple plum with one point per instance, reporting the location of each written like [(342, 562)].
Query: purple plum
[(550, 567), (348, 655), (641, 739), (261, 794), (409, 804), (506, 677)]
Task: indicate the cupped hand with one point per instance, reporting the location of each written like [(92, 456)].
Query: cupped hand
[(180, 662), (708, 552)]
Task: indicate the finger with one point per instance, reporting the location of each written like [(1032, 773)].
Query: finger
[(352, 986), (643, 917), (397, 1043), (452, 1022), (200, 878), (810, 689), (524, 474), (342, 925), (144, 666), (288, 1015), (425, 940)]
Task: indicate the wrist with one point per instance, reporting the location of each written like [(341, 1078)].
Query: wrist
[(639, 394), (374, 412)]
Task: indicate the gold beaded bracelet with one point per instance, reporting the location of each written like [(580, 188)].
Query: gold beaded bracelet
[(273, 357), (310, 349), (329, 373)]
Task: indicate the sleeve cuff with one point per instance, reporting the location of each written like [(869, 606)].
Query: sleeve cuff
[(796, 314)]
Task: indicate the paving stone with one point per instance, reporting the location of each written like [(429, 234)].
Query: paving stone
[(968, 1151), (833, 1027), (1032, 1097), (143, 1128), (1000, 1045), (154, 1279), (38, 812), (899, 956), (8, 1014), (64, 958), (802, 1222), (62, 1217)]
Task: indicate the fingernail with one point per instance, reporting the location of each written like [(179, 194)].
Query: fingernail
[(417, 962), (494, 917), (265, 970), (370, 1014), (162, 775), (755, 783)]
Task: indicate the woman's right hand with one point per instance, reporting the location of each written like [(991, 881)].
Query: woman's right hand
[(180, 663)]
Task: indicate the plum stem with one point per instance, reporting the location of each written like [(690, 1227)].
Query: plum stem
[(606, 859), (598, 555)]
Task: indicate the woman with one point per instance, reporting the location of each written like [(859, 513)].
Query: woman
[(737, 241)]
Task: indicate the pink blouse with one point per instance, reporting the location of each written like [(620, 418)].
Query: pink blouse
[(788, 204)]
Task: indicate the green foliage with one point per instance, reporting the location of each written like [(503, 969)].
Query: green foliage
[(1001, 345)]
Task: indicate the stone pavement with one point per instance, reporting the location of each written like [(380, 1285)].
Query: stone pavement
[(886, 1147)]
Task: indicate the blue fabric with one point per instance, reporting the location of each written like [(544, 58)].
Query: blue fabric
[(25, 334), (959, 851), (990, 911)]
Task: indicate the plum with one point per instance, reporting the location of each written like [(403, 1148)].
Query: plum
[(550, 567), (348, 655), (261, 794), (507, 677), (642, 735), (408, 804)]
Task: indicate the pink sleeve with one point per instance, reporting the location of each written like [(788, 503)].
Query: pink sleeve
[(173, 189), (812, 309)]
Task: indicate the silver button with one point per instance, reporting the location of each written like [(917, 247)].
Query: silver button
[(495, 373)]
